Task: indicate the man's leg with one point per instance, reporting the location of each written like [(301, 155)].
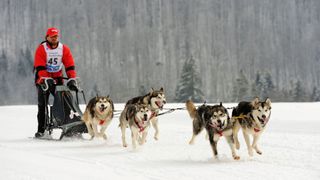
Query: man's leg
[(42, 102)]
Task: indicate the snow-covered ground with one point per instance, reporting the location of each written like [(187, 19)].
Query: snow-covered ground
[(290, 145)]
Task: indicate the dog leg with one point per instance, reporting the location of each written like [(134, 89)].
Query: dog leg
[(191, 142), (247, 139), (197, 127), (123, 131), (90, 130), (213, 144), (134, 136), (95, 129), (103, 129), (255, 144), (154, 122), (235, 130), (142, 140), (231, 144)]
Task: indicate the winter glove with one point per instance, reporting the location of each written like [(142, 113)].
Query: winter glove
[(72, 85), (48, 84)]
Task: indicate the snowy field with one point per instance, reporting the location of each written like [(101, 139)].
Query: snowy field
[(290, 145)]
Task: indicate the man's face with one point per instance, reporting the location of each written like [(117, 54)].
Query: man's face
[(53, 40)]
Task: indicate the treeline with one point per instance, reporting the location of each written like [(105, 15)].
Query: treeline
[(263, 86)]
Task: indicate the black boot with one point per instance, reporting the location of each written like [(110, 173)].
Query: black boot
[(38, 135)]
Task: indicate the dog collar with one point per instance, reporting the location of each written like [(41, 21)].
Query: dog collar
[(220, 133), (101, 121)]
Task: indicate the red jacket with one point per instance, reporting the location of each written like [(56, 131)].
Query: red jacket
[(40, 64)]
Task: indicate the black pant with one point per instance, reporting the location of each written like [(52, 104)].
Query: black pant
[(43, 98)]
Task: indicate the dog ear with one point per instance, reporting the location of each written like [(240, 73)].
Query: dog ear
[(255, 101), (161, 89), (108, 96), (220, 103), (268, 101), (151, 91)]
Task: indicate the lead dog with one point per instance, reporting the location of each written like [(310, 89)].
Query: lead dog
[(215, 119), (99, 112), (137, 117), (252, 118), (155, 100)]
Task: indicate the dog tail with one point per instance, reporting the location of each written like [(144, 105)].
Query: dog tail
[(192, 110)]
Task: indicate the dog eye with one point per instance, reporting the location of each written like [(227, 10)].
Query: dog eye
[(259, 110)]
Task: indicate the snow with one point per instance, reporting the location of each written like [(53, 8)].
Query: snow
[(290, 145)]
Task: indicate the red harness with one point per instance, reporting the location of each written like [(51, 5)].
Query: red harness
[(256, 130), (137, 123), (154, 114), (220, 133)]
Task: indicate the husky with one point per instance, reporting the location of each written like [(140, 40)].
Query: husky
[(137, 117), (156, 100), (252, 118), (215, 119), (99, 112)]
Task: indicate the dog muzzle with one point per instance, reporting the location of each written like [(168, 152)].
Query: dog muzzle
[(102, 108), (159, 104)]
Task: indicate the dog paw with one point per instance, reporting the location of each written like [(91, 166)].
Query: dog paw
[(250, 153), (104, 136), (156, 138), (259, 152), (236, 157), (125, 145), (191, 142)]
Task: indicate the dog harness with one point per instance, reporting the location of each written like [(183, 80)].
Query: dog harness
[(141, 128)]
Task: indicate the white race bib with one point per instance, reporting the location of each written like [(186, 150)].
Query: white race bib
[(54, 58)]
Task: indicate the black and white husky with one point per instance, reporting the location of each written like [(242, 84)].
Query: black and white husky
[(252, 118), (155, 99), (215, 119), (137, 117)]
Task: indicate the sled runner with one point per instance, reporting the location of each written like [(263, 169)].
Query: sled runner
[(64, 113)]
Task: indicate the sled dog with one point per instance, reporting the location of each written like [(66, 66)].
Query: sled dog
[(155, 99), (98, 113), (252, 118), (137, 117), (215, 119)]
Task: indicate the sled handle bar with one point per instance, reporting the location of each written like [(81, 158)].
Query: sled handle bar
[(45, 87)]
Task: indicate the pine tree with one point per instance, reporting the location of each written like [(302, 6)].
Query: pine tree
[(268, 86), (257, 85), (240, 90), (298, 92), (315, 96), (190, 84), (263, 86)]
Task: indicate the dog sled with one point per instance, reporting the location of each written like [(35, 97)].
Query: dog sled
[(63, 117)]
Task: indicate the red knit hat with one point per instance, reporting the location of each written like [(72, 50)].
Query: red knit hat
[(52, 32)]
